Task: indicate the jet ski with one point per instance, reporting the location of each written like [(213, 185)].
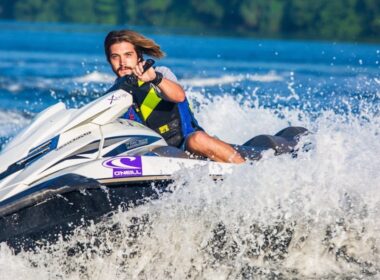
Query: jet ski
[(72, 166)]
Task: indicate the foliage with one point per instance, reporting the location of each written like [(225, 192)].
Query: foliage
[(323, 19)]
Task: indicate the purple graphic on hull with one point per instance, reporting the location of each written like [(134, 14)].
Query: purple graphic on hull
[(125, 166)]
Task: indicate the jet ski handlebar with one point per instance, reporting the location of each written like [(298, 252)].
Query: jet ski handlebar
[(132, 79), (148, 63)]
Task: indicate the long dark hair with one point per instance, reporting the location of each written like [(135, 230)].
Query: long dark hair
[(142, 44)]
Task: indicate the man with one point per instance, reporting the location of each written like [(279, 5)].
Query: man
[(161, 101)]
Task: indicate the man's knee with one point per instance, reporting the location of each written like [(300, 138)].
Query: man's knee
[(197, 139)]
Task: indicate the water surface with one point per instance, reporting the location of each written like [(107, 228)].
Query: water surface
[(311, 217)]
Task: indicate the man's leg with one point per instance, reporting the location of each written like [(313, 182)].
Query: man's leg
[(203, 144)]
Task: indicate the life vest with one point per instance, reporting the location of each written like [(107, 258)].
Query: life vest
[(173, 121)]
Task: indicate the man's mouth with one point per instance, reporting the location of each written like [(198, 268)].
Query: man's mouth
[(125, 71)]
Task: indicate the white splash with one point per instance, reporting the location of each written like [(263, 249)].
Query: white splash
[(13, 87), (11, 122), (315, 216), (95, 77), (228, 79), (235, 122)]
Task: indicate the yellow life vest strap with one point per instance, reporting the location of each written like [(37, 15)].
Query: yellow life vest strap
[(149, 103)]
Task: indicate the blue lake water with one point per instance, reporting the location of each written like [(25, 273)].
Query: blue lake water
[(328, 199)]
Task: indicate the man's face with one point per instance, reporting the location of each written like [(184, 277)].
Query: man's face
[(123, 58)]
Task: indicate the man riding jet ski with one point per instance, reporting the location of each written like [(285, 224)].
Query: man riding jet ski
[(160, 101), (75, 165)]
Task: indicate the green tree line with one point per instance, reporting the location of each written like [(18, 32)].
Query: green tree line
[(322, 19)]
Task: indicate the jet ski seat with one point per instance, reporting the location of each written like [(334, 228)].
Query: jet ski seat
[(282, 142)]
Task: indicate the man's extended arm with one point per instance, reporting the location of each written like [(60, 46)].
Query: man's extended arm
[(169, 90)]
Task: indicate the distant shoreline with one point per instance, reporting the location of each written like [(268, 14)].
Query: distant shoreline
[(162, 30), (340, 21)]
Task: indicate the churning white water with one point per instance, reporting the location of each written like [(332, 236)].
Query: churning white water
[(310, 217)]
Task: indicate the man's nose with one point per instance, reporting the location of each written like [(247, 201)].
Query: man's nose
[(123, 61)]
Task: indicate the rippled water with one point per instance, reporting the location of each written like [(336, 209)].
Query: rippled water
[(314, 217)]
